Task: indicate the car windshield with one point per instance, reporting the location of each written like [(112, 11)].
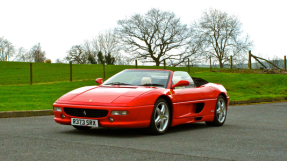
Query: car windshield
[(157, 78)]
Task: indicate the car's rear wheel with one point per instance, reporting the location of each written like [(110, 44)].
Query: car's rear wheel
[(82, 127), (160, 118), (220, 112)]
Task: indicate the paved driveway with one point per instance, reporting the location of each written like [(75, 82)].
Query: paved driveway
[(251, 132)]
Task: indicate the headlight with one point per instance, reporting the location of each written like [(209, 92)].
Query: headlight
[(119, 112), (58, 109)]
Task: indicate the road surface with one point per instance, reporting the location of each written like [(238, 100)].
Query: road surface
[(251, 132)]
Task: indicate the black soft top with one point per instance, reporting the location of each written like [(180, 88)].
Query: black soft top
[(199, 81)]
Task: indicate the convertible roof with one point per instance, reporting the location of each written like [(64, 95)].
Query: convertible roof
[(199, 81)]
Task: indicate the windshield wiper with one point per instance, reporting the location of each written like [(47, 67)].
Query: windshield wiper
[(117, 83), (149, 84)]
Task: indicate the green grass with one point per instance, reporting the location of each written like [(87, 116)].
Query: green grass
[(249, 86), (14, 73), (35, 97), (16, 94), (239, 86)]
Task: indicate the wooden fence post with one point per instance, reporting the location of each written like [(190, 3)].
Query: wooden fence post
[(104, 70), (249, 60), (188, 69), (71, 72), (163, 63), (285, 62), (31, 74), (231, 65), (210, 63), (136, 64)]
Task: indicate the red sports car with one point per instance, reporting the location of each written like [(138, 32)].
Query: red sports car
[(144, 98)]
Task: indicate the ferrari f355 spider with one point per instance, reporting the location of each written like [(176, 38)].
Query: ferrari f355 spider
[(144, 98)]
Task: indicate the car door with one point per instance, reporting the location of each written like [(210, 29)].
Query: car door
[(185, 97), (185, 93)]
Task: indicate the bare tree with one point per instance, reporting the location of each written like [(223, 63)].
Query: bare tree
[(108, 44), (24, 56), (124, 60), (192, 52), (155, 36), (239, 61), (77, 55), (58, 61), (221, 35), (7, 50), (21, 55), (90, 52), (37, 54)]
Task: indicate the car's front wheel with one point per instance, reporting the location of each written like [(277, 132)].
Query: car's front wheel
[(160, 119), (220, 112), (82, 127)]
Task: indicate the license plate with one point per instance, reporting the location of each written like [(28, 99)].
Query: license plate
[(84, 122)]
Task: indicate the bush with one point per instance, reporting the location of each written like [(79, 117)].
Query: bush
[(47, 61)]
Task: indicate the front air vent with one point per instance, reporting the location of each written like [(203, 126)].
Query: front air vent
[(85, 112)]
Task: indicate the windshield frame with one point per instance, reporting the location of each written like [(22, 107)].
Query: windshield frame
[(139, 71)]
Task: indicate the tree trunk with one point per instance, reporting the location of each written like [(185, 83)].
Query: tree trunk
[(220, 63), (157, 62)]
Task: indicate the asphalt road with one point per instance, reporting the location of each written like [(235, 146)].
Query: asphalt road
[(251, 132)]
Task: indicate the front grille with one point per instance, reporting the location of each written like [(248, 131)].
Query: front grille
[(85, 112)]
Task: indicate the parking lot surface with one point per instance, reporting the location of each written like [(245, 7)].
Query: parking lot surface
[(251, 132)]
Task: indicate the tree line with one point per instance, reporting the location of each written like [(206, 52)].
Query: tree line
[(155, 37), (8, 51)]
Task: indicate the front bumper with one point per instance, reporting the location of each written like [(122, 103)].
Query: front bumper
[(137, 116)]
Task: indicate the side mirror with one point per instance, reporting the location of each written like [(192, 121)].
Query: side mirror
[(99, 80), (181, 83)]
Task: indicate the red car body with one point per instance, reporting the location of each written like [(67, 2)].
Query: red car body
[(187, 105)]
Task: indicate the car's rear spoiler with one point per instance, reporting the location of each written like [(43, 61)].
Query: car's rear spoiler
[(199, 81)]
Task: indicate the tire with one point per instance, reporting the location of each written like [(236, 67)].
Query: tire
[(220, 112), (82, 127), (160, 119)]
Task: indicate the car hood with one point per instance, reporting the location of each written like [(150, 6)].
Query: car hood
[(109, 94)]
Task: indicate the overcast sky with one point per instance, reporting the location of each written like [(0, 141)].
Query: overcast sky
[(60, 24)]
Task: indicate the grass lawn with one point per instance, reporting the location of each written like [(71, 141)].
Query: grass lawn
[(15, 73), (35, 97), (249, 86), (239, 86)]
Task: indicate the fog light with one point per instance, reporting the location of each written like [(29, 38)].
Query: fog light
[(111, 119), (119, 112), (62, 116), (58, 109)]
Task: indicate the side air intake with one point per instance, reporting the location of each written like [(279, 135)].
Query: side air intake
[(199, 107)]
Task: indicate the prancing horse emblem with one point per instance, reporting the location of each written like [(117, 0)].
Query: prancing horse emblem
[(85, 113)]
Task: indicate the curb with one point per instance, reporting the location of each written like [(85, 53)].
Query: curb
[(25, 113), (9, 114), (233, 103)]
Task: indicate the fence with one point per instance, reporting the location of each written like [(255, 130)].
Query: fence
[(250, 56), (20, 72), (103, 70)]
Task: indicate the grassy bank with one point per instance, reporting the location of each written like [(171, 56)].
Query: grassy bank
[(249, 86), (35, 97), (15, 73), (239, 86)]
